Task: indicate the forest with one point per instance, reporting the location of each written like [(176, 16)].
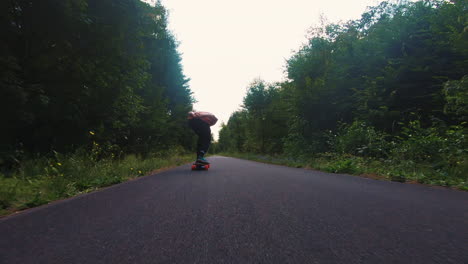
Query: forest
[(92, 93), (74, 72), (386, 94)]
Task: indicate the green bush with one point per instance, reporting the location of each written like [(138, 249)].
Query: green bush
[(294, 145), (7, 191), (418, 144), (456, 95), (444, 149), (359, 139), (342, 166)]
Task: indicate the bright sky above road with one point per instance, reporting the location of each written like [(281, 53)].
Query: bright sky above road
[(225, 45)]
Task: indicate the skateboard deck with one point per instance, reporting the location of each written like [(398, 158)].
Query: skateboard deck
[(197, 166)]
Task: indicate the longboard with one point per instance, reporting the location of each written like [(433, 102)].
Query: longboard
[(197, 166)]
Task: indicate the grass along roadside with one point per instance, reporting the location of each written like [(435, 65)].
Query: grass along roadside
[(42, 181), (399, 171)]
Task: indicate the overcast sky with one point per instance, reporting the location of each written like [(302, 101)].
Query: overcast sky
[(225, 45)]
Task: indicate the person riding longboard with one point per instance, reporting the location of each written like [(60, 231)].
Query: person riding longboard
[(200, 123)]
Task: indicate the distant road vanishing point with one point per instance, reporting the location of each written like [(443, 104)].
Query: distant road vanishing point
[(244, 212)]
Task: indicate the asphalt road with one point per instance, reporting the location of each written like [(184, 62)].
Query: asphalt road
[(244, 212)]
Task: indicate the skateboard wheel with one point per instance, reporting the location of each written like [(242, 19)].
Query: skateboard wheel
[(200, 167)]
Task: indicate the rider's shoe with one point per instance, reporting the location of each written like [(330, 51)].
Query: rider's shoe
[(202, 160)]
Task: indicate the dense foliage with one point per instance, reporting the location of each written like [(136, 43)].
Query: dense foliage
[(391, 86), (74, 72)]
